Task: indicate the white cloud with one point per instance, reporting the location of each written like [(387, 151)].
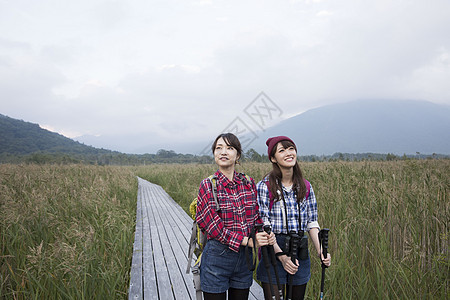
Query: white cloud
[(203, 2), (186, 69), (222, 19), (431, 80), (324, 13), (69, 134)]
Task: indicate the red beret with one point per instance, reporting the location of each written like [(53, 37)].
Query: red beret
[(271, 142)]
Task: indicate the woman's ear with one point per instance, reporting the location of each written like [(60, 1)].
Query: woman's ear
[(272, 159)]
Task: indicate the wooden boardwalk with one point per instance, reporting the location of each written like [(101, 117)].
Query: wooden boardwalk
[(163, 230)]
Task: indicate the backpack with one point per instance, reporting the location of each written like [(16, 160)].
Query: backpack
[(272, 198), (198, 238)]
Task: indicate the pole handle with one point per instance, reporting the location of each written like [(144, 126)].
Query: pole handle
[(323, 239)]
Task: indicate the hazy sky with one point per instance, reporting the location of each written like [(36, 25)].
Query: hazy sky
[(182, 70)]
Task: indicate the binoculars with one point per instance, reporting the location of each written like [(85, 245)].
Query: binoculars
[(296, 243)]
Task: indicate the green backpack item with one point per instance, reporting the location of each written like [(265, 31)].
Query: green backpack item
[(198, 240)]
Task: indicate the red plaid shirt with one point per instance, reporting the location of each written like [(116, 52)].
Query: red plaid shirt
[(238, 209)]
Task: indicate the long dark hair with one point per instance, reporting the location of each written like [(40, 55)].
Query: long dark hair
[(275, 175)]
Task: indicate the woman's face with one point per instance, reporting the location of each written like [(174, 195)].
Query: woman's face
[(285, 157), (225, 155)]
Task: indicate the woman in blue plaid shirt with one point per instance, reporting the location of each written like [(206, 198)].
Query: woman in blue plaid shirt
[(287, 202)]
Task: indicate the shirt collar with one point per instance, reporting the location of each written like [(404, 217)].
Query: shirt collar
[(237, 178)]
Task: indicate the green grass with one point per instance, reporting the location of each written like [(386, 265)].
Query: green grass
[(389, 222), (66, 232)]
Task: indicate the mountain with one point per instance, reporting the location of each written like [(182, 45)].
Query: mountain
[(377, 126), (22, 141), (20, 138), (139, 143), (382, 126)]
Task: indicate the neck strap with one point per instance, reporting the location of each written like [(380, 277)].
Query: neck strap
[(280, 193)]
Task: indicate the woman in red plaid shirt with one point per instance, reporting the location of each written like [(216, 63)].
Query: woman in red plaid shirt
[(224, 267)]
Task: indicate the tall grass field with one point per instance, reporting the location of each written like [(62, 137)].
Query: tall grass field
[(388, 221), (66, 232)]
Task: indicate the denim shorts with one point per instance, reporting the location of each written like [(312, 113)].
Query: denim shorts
[(222, 268), (301, 277)]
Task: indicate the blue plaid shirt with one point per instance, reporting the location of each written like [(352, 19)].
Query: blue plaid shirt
[(308, 208)]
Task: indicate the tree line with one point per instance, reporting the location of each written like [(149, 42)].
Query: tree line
[(169, 156), (24, 142)]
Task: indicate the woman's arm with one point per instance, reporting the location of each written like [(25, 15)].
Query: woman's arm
[(314, 235), (263, 200), (313, 226)]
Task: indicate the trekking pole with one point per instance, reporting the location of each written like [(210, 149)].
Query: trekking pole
[(266, 261), (273, 260), (293, 254), (323, 240)]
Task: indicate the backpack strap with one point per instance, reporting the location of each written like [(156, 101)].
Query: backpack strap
[(271, 197), (196, 279), (213, 179), (192, 246), (308, 187), (249, 180)]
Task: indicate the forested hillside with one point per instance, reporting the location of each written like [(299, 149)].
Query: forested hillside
[(22, 141), (20, 137)]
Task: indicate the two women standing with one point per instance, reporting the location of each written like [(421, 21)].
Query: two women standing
[(244, 205)]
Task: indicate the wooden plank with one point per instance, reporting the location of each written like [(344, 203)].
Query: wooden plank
[(184, 221), (256, 291), (165, 246), (162, 276), (178, 234), (149, 274), (135, 289), (181, 232), (173, 254), (181, 222)]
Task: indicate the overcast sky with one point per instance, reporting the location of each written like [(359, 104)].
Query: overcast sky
[(183, 70)]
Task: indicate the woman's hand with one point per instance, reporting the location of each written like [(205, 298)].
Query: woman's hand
[(247, 242), (272, 239), (325, 261), (288, 265), (262, 239)]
